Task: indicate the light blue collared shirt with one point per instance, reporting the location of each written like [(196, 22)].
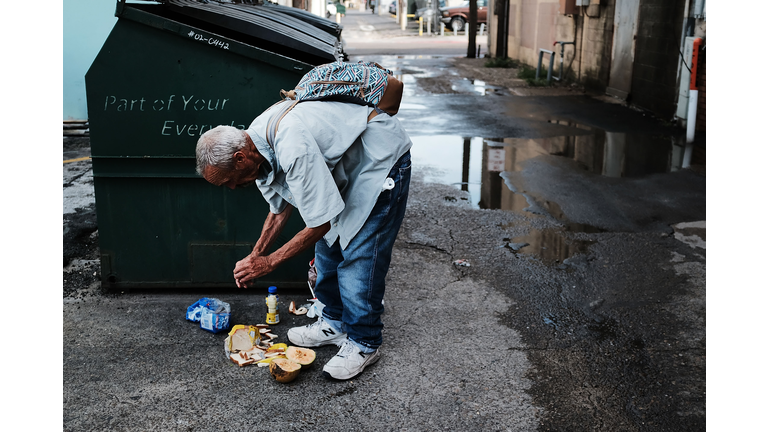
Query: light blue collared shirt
[(329, 162)]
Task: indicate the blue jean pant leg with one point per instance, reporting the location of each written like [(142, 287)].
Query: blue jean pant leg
[(327, 260), (350, 282)]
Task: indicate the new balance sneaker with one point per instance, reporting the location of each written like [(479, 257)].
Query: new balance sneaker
[(316, 334), (349, 362)]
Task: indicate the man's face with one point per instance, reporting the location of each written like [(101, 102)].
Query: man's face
[(229, 178)]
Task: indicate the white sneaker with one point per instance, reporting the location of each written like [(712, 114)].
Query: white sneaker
[(349, 362), (316, 334)]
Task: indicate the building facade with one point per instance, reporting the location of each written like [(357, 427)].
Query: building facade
[(635, 50)]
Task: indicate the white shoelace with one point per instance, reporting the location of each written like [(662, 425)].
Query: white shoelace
[(318, 325), (347, 348)]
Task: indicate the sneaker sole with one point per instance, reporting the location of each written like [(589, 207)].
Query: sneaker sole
[(329, 376)]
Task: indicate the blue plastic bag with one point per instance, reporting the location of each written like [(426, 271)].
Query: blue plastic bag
[(212, 314)]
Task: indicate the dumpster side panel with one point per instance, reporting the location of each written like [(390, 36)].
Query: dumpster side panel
[(183, 232), (151, 94)]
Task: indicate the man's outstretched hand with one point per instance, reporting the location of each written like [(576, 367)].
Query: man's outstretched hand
[(251, 267), (257, 265)]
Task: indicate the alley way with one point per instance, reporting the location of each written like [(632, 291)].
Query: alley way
[(549, 275)]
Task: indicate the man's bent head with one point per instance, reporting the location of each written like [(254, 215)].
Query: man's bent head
[(216, 147), (226, 156)]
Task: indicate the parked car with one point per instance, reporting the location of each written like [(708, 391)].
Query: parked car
[(456, 16), (330, 8), (427, 11), (393, 7)]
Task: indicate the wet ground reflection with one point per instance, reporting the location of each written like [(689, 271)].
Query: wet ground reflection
[(552, 246), (451, 160), (479, 87), (481, 166), (484, 167)]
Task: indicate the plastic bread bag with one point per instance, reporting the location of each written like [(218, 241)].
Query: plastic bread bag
[(241, 338), (213, 314), (194, 311)]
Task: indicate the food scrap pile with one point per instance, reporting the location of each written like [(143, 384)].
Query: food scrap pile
[(247, 345)]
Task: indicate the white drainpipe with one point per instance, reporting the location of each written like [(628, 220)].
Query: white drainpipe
[(693, 99)]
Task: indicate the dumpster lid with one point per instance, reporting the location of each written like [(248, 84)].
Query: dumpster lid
[(272, 28), (326, 25)]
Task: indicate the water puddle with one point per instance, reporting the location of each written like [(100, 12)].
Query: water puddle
[(410, 76), (410, 106), (414, 57), (616, 154), (487, 167), (553, 246), (409, 84), (451, 160), (476, 87)]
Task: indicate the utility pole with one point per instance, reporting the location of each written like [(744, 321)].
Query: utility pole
[(502, 18), (472, 30), (403, 5), (436, 17)]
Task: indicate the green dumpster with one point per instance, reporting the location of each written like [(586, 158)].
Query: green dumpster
[(167, 73)]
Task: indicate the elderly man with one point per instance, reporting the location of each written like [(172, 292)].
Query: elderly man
[(346, 169)]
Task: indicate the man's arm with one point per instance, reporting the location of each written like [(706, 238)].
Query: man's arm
[(273, 226), (256, 264)]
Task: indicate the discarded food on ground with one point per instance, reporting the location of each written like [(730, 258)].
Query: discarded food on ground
[(242, 338), (244, 347), (267, 360), (249, 339), (284, 370), (300, 311), (303, 356), (240, 360), (280, 347)]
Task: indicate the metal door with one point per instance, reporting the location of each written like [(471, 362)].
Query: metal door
[(623, 55)]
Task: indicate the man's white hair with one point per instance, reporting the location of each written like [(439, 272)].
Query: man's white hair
[(216, 147)]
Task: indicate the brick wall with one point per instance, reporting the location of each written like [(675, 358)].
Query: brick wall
[(596, 46), (537, 24), (654, 74)]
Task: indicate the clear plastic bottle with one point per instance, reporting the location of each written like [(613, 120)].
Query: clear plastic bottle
[(273, 307)]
